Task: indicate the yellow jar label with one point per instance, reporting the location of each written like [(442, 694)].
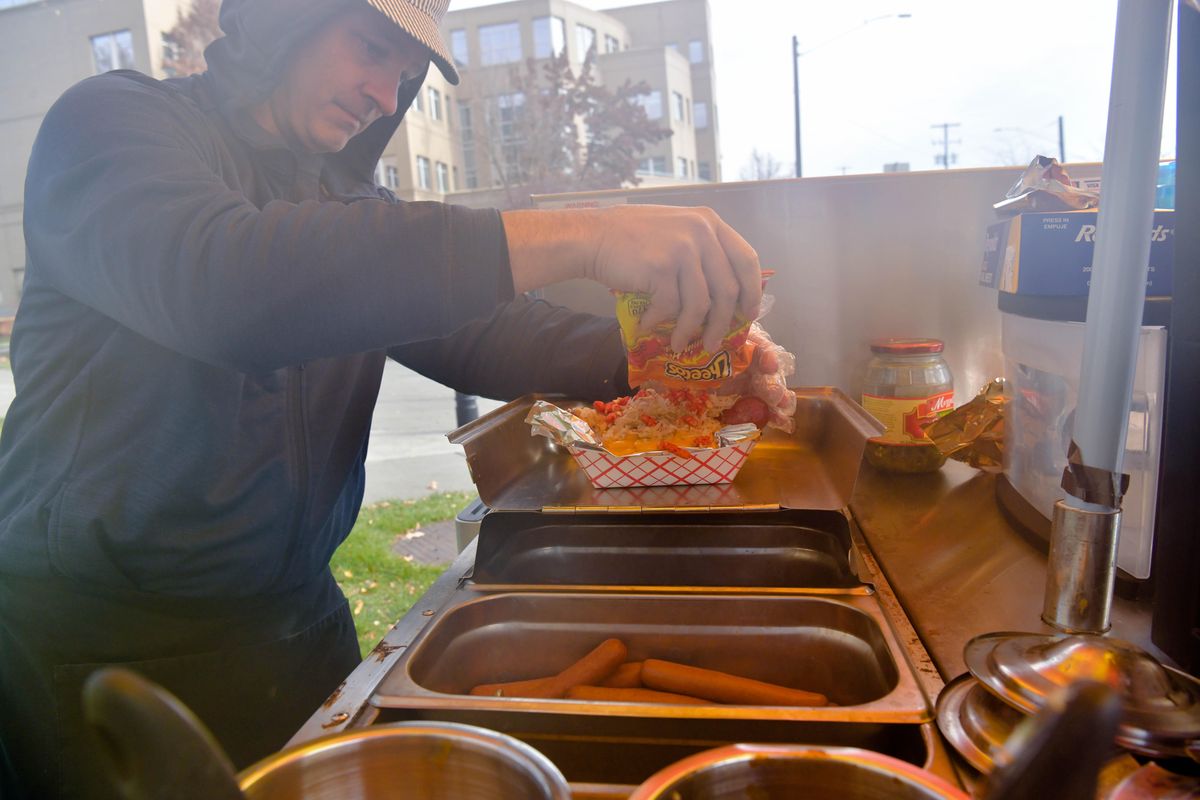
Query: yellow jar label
[(904, 417)]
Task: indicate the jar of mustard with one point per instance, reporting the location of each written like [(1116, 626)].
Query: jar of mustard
[(907, 386)]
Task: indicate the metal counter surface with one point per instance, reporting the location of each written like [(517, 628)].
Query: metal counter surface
[(956, 564)]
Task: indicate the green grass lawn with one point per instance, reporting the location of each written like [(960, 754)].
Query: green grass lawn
[(380, 584)]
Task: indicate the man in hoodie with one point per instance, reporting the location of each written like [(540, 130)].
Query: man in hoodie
[(213, 286)]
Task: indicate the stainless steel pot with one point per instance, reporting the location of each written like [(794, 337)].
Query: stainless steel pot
[(776, 772), (157, 749), (410, 760)]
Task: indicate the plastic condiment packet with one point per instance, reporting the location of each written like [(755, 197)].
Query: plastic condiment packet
[(560, 426), (974, 432)]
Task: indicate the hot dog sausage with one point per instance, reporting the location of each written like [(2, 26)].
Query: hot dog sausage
[(622, 695), (592, 668), (627, 676), (747, 409), (722, 687)]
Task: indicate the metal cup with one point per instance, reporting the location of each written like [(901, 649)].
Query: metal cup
[(1081, 569)]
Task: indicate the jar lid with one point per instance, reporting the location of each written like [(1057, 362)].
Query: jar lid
[(907, 347)]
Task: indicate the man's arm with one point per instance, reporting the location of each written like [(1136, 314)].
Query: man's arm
[(135, 208), (527, 346)]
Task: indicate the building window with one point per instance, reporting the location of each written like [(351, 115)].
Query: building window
[(112, 51), (651, 102), (549, 36), (454, 174), (696, 51), (510, 108), (585, 39), (681, 170), (692, 167), (387, 175), (470, 173), (611, 44), (701, 111), (500, 44), (443, 178), (705, 171), (508, 112), (677, 106), (423, 172), (458, 47), (435, 103), (654, 166), (418, 102)]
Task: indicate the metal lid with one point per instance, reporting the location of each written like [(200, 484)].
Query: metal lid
[(976, 722), (1161, 705), (907, 347)]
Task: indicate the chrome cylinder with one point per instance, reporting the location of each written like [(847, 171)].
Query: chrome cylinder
[(1081, 569), (407, 761)]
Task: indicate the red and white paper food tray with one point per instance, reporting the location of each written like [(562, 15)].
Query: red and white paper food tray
[(707, 466)]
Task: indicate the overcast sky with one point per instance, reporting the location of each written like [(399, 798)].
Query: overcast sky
[(1002, 71)]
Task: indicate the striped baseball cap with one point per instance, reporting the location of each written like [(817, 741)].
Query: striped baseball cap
[(420, 19)]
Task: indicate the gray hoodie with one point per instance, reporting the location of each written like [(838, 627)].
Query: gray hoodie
[(205, 322)]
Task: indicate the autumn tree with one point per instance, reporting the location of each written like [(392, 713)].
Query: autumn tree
[(551, 130), (192, 33)]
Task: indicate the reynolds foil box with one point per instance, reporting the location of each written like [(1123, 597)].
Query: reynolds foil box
[(1050, 253)]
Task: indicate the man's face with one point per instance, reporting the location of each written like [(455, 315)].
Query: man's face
[(340, 81)]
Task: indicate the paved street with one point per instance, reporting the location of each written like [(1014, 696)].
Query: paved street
[(409, 454)]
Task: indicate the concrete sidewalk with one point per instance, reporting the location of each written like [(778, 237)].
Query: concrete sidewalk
[(409, 456)]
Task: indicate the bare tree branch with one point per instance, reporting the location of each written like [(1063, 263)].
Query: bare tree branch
[(549, 130), (761, 167)]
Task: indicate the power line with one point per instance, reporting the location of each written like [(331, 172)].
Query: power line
[(946, 158)]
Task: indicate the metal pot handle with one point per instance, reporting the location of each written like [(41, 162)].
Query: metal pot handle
[(153, 746), (1059, 751)]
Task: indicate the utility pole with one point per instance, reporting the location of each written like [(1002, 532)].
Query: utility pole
[(1062, 148), (796, 53), (946, 158)]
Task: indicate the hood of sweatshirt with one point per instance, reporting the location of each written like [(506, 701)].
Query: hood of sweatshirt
[(250, 59)]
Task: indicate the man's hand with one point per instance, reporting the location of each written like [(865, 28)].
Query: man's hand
[(697, 270)]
